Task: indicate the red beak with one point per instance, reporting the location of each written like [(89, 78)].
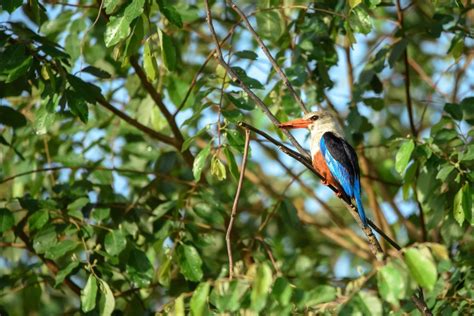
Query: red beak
[(298, 123)]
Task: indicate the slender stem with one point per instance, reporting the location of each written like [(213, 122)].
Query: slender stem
[(150, 132), (244, 87), (236, 203), (156, 96), (269, 56), (50, 264), (407, 75)]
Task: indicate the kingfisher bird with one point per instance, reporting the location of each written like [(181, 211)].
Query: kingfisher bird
[(332, 155)]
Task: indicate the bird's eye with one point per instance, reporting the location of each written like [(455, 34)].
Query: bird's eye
[(314, 117)]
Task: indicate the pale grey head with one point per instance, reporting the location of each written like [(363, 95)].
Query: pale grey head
[(318, 122)]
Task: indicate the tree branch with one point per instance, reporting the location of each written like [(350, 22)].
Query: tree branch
[(236, 79), (150, 132), (50, 264), (407, 75), (236, 203), (269, 56), (156, 96)]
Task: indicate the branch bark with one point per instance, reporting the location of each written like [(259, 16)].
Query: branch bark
[(156, 96), (266, 51), (236, 204)]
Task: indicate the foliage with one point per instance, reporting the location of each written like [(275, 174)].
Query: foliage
[(120, 152)]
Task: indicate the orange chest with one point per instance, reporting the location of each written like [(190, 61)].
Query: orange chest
[(322, 167), (320, 164)]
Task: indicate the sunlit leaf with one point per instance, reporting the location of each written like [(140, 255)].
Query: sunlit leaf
[(403, 155), (421, 266), (89, 294), (189, 262)]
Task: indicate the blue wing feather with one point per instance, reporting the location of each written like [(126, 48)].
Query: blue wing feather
[(341, 160)]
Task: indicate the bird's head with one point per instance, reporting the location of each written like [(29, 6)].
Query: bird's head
[(313, 121)]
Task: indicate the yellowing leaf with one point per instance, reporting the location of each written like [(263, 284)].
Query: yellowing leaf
[(218, 169)]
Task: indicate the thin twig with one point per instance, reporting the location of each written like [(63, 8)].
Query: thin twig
[(414, 131), (150, 132), (269, 56), (244, 87), (236, 203), (156, 96), (50, 264)]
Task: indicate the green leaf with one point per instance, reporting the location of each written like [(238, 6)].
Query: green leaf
[(11, 5), (44, 239), (241, 102), (115, 242), (218, 169), (261, 287), (78, 106), (89, 294), (249, 81), (19, 70), (11, 117), (455, 110), (107, 300), (421, 266), (163, 208), (444, 172), (246, 54), (168, 51), (354, 3), (179, 309), (75, 208), (200, 161), (360, 20), (117, 29), (199, 299), (133, 10), (270, 25), (164, 271), (97, 72), (149, 62), (231, 163), (391, 284), (111, 5), (43, 120), (462, 206), (38, 219), (139, 268), (320, 294), (62, 274), (170, 13), (6, 220), (187, 143), (88, 91), (60, 249), (403, 155), (375, 103), (227, 296), (189, 262), (282, 291), (397, 51), (236, 140)]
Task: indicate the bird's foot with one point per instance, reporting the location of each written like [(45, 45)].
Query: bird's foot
[(339, 194), (324, 181)]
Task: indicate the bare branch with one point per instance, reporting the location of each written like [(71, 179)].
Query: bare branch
[(236, 79), (236, 203), (269, 56), (156, 96), (400, 14), (150, 132)]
